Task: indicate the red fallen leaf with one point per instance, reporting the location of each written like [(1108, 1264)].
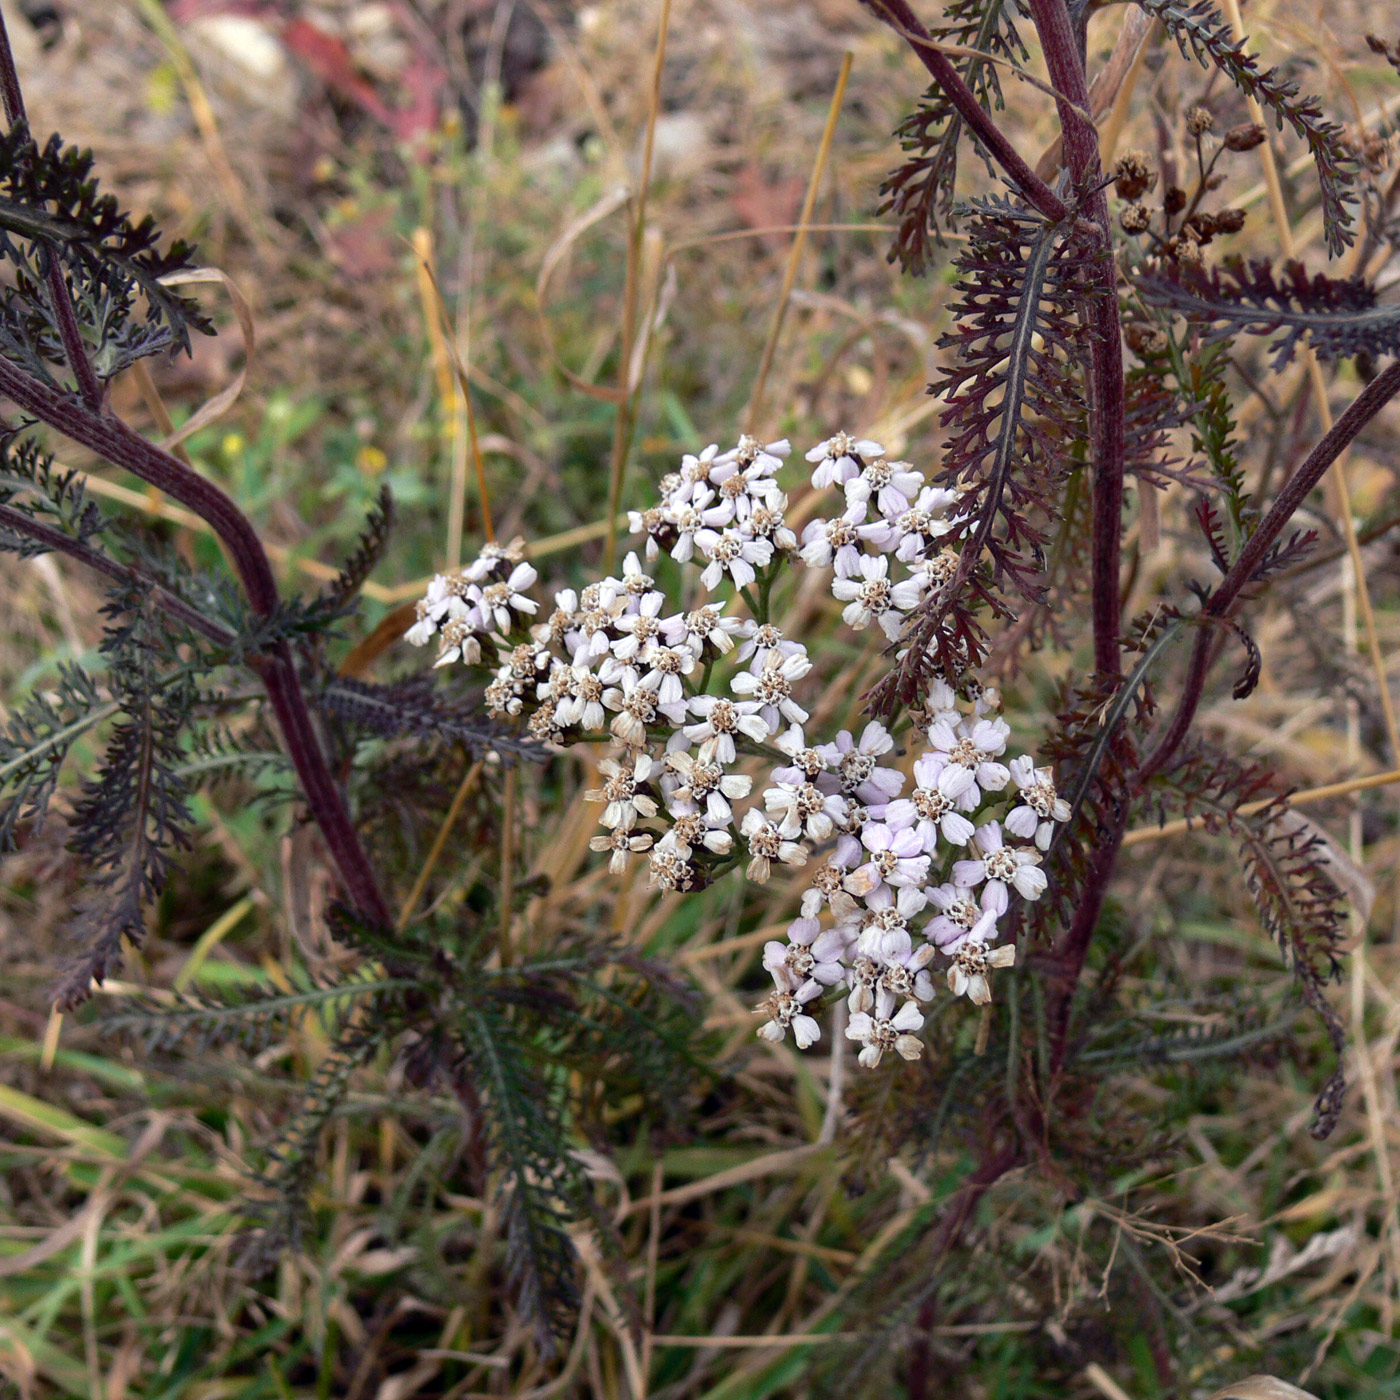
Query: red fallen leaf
[(763, 203), (423, 82), (365, 247), (330, 60)]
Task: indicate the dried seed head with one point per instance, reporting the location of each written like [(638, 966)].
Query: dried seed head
[(1245, 137), (1133, 176), (1136, 219), (1199, 122)]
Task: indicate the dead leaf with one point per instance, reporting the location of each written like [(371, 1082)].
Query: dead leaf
[(1262, 1388)]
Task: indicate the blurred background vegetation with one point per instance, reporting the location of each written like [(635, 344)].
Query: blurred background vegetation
[(317, 154)]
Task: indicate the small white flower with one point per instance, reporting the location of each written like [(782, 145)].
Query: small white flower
[(636, 710), (804, 809), (873, 596), (932, 813), (498, 599), (905, 972), (619, 792), (783, 1008), (621, 843), (639, 629), (971, 963), (689, 519), (763, 638), (808, 953), (599, 612), (1000, 866), (772, 687), (966, 759), (495, 560), (826, 888), (879, 1034), (896, 858), (704, 786), (668, 665), (730, 551), (962, 916), (458, 641), (890, 484), (719, 721), (855, 771), (767, 844), (706, 627), (700, 829), (584, 705), (807, 763), (840, 458), (1041, 806), (833, 544)]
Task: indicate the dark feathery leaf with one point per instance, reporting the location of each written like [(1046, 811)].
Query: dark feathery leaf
[(1200, 29), (50, 206), (1338, 317), (252, 1021), (293, 1159), (414, 708), (1285, 864), (37, 739), (921, 192), (525, 1133), (1013, 402), (30, 484), (133, 812), (339, 595)]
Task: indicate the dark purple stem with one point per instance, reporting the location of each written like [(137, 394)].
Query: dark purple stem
[(1221, 603), (898, 15), (988, 1172), (60, 303), (115, 442), (1106, 393), (59, 543)]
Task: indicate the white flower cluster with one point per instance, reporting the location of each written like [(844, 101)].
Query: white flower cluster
[(691, 699)]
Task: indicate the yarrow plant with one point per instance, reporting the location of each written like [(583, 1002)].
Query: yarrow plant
[(1083, 374), (714, 764)]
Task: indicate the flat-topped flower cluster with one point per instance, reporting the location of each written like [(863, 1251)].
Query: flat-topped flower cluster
[(713, 766)]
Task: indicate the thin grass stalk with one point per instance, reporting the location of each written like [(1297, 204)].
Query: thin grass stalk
[(425, 873), (1298, 799), (629, 393), (799, 242)]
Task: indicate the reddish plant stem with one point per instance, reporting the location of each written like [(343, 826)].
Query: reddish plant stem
[(903, 20), (1222, 602), (59, 543), (1073, 946), (1106, 392), (115, 442), (989, 1171), (60, 302)]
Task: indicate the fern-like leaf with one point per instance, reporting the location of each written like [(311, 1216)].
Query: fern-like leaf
[(50, 206), (369, 550), (524, 1129), (1200, 29), (253, 1019), (37, 739), (415, 708), (1299, 903), (1338, 317), (1013, 403), (921, 192), (133, 811)]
